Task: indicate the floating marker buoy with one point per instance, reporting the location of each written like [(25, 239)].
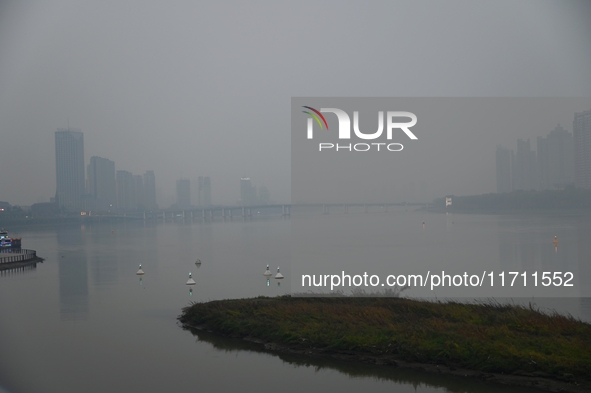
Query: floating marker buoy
[(190, 281), (267, 272), (140, 272), (278, 276), (198, 263)]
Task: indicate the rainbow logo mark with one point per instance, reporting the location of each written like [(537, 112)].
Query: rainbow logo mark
[(313, 114)]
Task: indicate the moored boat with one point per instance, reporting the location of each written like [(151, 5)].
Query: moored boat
[(9, 242)]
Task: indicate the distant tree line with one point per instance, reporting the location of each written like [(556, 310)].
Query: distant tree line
[(567, 198)]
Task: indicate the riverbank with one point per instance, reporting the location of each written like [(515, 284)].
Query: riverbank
[(502, 343)]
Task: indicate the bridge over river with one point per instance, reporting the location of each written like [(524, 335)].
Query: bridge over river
[(245, 212)]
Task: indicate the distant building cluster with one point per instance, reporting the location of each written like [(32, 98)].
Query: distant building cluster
[(249, 195), (103, 188), (562, 159), (582, 136)]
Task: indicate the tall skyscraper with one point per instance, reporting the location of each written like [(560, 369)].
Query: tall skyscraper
[(101, 183), (69, 168), (524, 167), (138, 192), (503, 161), (248, 192), (150, 190), (556, 159), (183, 193), (125, 188), (203, 191), (264, 196), (582, 145)]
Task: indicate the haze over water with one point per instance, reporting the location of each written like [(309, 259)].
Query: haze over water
[(192, 89), (83, 321)]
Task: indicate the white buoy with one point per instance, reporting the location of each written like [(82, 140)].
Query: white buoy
[(190, 281), (140, 272), (278, 276), (267, 272), (198, 263)]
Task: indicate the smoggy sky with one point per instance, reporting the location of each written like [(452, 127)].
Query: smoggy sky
[(189, 88)]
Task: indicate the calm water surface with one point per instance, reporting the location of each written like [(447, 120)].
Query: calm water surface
[(83, 321)]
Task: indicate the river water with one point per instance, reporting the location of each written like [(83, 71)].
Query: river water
[(83, 321)]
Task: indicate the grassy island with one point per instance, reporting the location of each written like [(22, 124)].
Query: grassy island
[(485, 338)]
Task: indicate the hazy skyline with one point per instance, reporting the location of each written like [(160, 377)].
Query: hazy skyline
[(203, 89)]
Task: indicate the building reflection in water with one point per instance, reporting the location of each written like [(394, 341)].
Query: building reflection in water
[(527, 244), (583, 226), (73, 273), (100, 241)]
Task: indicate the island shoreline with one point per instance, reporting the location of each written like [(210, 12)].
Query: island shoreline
[(536, 380)]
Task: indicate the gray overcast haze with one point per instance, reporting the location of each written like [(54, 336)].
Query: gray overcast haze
[(189, 88)]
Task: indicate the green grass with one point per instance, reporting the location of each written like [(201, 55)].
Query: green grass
[(485, 337)]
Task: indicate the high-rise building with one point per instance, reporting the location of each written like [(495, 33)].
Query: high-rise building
[(150, 190), (248, 193), (183, 193), (69, 168), (264, 196), (503, 161), (556, 159), (125, 186), (524, 167), (582, 147), (101, 183), (138, 192), (203, 191)]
